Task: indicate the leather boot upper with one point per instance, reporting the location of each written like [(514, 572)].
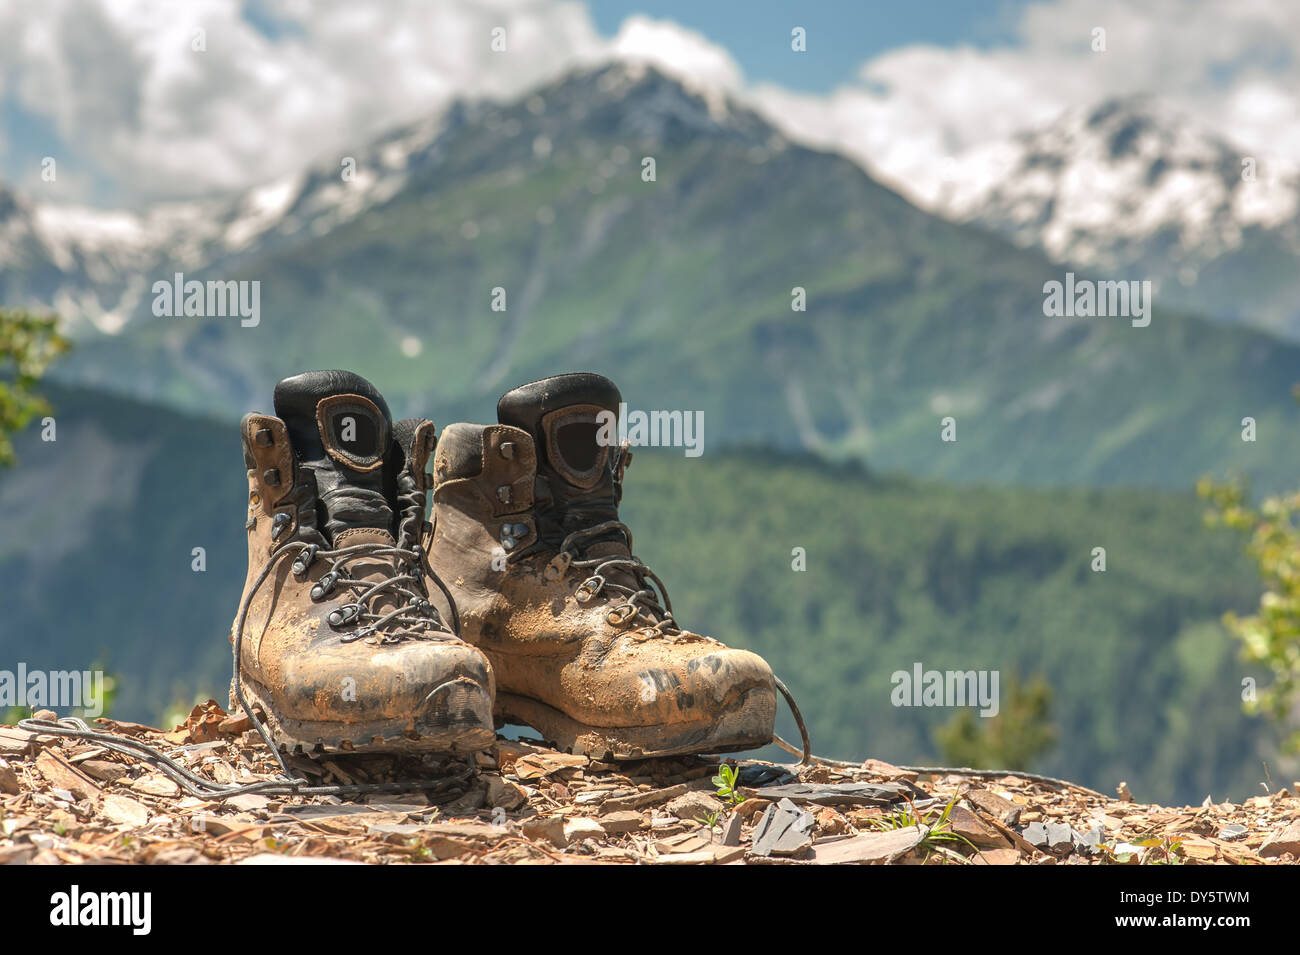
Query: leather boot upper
[(340, 629), (527, 536)]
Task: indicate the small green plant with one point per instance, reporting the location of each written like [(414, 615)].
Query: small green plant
[(28, 343), (936, 823), (708, 821), (1162, 851), (727, 784)]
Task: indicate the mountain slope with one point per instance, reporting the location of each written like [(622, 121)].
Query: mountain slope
[(681, 289), (1131, 188), (98, 528)]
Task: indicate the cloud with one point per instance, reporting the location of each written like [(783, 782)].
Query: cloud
[(167, 99), (677, 51), (920, 116)]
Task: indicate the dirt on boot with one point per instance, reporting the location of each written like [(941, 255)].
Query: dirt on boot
[(579, 631), (338, 644)]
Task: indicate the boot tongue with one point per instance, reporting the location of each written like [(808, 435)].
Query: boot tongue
[(574, 423), (565, 414), (339, 427)]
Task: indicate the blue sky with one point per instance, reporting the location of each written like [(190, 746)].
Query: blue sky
[(841, 35)]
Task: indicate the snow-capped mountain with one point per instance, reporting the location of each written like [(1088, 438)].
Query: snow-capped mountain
[(96, 267), (1130, 186)]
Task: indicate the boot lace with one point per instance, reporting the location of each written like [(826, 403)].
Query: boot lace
[(412, 617), (579, 522)]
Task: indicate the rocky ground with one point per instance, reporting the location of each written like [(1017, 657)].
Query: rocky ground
[(68, 801)]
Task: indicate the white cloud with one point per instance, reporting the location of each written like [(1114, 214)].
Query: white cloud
[(922, 114), (121, 82), (138, 106), (677, 51)]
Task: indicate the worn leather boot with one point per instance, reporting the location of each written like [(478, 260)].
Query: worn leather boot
[(337, 643), (580, 633)]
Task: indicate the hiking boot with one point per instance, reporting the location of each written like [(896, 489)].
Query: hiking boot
[(336, 640), (580, 633)]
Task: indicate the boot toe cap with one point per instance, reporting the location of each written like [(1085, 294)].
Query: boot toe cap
[(691, 683), (414, 681)]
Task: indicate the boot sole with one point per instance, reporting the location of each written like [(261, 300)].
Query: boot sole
[(746, 725), (461, 723)]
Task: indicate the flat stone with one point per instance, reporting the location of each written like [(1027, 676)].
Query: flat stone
[(694, 806), (1035, 834), (731, 834), (1287, 840), (869, 848), (504, 794), (625, 821), (1059, 834), (103, 769), (890, 772), (546, 828), (62, 775), (1003, 810), (840, 794), (971, 827), (235, 724), (784, 830), (996, 857), (1233, 832), (538, 765), (655, 797), (124, 810), (247, 802), (8, 780), (577, 828), (1090, 840), (155, 784), (714, 855), (16, 742)]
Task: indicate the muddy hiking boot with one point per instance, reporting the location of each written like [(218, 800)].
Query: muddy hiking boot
[(337, 643), (580, 633)]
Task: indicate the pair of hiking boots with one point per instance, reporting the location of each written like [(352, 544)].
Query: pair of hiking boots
[(363, 626)]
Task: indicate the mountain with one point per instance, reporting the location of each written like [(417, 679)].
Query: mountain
[(98, 531), (1130, 187), (681, 289)]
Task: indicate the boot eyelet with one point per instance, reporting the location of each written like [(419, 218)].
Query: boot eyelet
[(345, 615), (589, 589), (356, 635), (620, 615), (302, 563), (558, 566), (325, 586), (279, 523)]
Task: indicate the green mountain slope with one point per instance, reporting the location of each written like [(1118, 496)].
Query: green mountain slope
[(681, 290), (97, 531)]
